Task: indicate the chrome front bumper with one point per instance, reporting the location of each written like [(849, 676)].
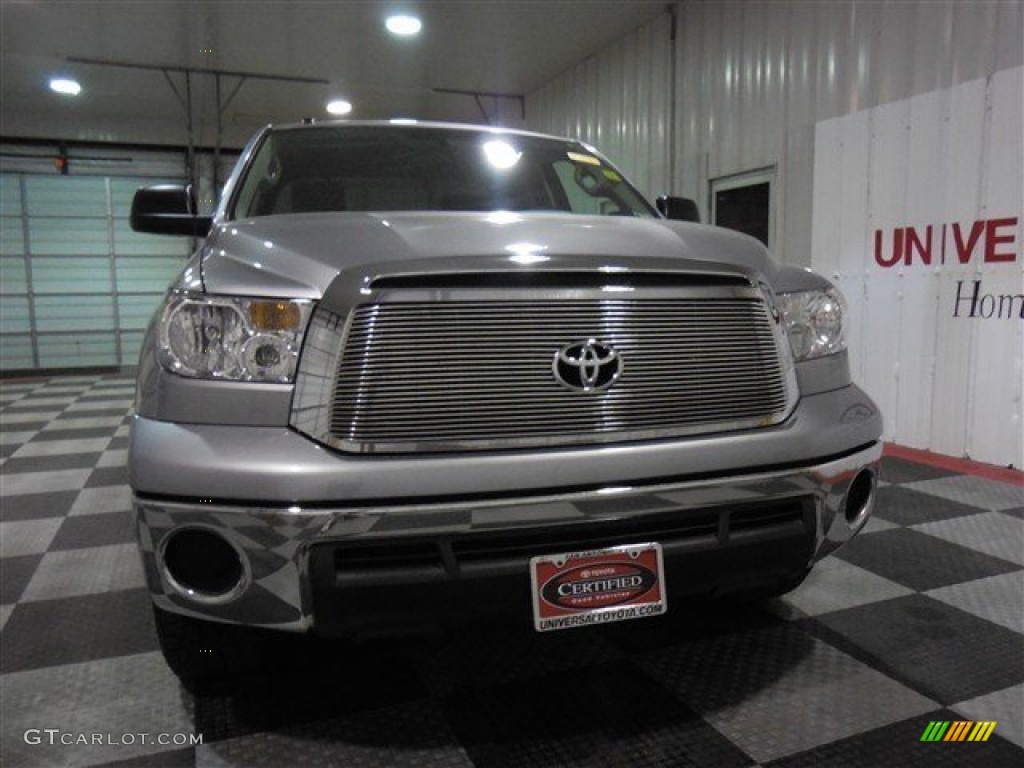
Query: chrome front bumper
[(274, 543)]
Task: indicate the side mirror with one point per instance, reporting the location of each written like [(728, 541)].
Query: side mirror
[(168, 209), (678, 208)]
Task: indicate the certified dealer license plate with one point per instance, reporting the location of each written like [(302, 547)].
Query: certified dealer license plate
[(597, 587)]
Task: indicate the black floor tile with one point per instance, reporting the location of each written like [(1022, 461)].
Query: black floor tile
[(725, 671), (940, 651), (479, 657), (72, 434), (900, 744), (51, 463), (7, 450), (690, 620), (25, 405), (73, 629), (34, 506), (97, 530), (909, 507), (107, 476), (96, 412), (920, 561), (175, 758), (903, 471), (1016, 512), (20, 426), (603, 715), (120, 382), (306, 679), (15, 573)]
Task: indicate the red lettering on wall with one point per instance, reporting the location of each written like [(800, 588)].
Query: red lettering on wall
[(1000, 244), (993, 240), (897, 248), (963, 252), (913, 242)]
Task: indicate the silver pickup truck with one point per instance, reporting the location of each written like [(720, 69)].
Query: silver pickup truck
[(423, 375)]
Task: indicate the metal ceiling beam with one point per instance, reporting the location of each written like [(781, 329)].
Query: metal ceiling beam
[(186, 99), (489, 94), (196, 70)]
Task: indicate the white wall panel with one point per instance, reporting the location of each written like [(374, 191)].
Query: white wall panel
[(936, 220), (995, 429), (964, 118), (619, 101)]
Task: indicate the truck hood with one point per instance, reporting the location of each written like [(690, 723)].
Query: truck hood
[(301, 255)]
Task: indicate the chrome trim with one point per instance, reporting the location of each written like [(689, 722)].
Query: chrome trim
[(292, 531), (691, 401), (205, 598), (589, 364)]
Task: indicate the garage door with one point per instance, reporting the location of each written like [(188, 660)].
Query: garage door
[(78, 285)]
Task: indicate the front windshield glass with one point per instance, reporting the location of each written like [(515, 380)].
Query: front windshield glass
[(382, 168)]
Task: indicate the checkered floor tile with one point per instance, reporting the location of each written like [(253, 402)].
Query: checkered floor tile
[(919, 619)]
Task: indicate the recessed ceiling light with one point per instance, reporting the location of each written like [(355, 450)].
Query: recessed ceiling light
[(339, 107), (402, 121), (403, 25), (501, 154), (65, 85)]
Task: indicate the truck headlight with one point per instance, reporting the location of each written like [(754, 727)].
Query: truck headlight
[(232, 338), (814, 322)]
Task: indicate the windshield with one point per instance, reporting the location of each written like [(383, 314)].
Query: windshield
[(428, 169)]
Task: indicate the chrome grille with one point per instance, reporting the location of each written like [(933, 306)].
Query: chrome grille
[(463, 375)]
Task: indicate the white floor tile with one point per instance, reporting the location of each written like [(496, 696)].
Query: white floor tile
[(89, 422), (993, 533), (85, 572), (43, 482), (834, 585), (61, 447), (1006, 707), (27, 537), (997, 598), (976, 491), (110, 498), (23, 418)]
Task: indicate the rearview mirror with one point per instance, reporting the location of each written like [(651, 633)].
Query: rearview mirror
[(168, 209), (678, 208)]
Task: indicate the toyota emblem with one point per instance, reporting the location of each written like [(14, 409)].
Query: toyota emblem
[(587, 366)]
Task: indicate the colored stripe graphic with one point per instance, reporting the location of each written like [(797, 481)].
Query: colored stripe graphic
[(958, 730), (935, 730), (982, 731)]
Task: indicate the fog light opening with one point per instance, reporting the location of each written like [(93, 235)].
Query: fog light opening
[(858, 497), (203, 565)]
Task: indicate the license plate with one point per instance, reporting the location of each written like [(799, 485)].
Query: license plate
[(580, 589)]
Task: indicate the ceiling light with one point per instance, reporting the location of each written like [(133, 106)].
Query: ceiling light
[(402, 121), (65, 85), (501, 154), (339, 107), (403, 25)]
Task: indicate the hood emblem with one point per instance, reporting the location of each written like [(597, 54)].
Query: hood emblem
[(587, 366)]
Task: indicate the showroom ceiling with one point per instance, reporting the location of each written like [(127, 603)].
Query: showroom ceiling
[(493, 47)]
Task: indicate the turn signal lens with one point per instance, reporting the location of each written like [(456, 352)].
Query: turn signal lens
[(275, 315)]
